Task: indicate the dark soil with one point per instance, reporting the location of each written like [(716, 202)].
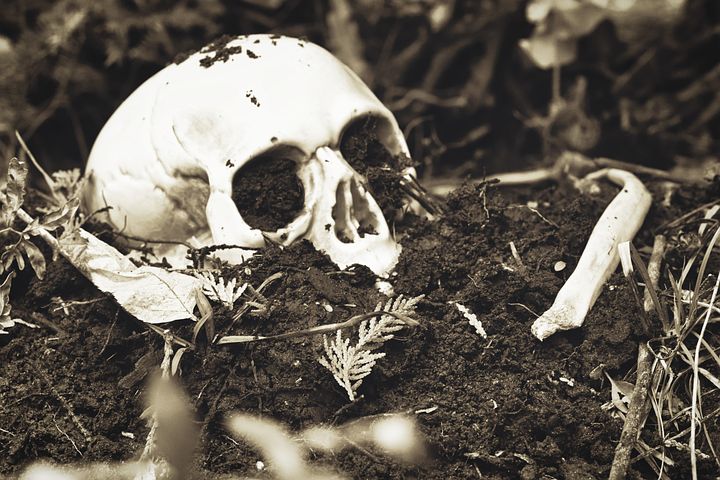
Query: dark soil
[(504, 407), (507, 406), (268, 193), (363, 149)]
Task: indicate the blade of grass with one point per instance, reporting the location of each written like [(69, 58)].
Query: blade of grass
[(628, 272), (696, 365), (329, 328), (698, 283), (678, 310), (680, 220)]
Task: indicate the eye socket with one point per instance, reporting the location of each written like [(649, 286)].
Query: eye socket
[(367, 141), (267, 191)]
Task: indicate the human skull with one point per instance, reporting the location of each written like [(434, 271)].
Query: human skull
[(169, 158)]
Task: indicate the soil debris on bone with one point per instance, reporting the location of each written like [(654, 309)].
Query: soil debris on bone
[(362, 149), (268, 193), (219, 50)]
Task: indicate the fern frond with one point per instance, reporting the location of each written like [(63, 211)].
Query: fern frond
[(351, 364), (219, 290)]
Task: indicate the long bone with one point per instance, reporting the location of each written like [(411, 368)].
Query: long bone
[(620, 221)]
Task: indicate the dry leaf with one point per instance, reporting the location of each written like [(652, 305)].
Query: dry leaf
[(150, 294)]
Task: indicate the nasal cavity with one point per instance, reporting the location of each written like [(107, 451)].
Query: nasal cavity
[(268, 193), (351, 213)]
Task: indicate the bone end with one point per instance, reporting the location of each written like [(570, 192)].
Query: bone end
[(557, 318)]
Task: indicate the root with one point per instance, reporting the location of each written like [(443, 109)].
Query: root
[(570, 164)]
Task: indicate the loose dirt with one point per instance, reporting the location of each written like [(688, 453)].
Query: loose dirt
[(503, 407)]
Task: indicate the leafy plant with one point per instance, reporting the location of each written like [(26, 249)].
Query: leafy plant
[(351, 364), (678, 368), (16, 243), (6, 321)]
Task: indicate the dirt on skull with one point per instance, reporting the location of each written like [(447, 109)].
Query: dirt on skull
[(363, 150), (268, 193)]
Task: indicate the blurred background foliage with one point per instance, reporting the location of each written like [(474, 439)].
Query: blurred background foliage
[(478, 86)]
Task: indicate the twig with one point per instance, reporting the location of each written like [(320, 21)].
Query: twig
[(48, 180), (109, 335), (410, 185), (163, 333), (80, 138), (148, 240), (345, 40), (43, 233), (637, 411), (329, 328), (653, 269), (40, 318), (521, 266), (68, 407), (537, 212), (417, 95), (655, 300), (573, 164), (556, 81), (341, 411), (483, 71), (68, 437), (63, 305), (442, 188)]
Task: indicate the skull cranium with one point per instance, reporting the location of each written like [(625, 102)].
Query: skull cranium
[(169, 159)]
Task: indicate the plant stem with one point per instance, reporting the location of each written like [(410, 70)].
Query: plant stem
[(44, 234), (555, 84), (322, 329)]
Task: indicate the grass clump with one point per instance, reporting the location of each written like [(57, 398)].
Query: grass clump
[(682, 355)]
